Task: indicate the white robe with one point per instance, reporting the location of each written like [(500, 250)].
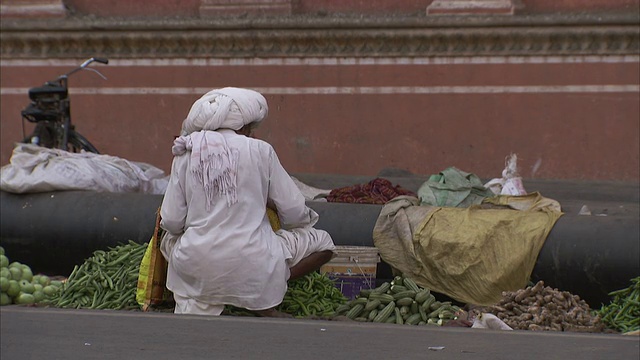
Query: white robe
[(230, 254)]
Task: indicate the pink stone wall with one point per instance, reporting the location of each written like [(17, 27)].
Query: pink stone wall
[(135, 8), (565, 118)]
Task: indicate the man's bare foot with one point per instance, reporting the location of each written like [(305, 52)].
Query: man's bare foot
[(272, 313)]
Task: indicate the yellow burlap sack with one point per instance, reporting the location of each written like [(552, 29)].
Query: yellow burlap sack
[(469, 254), (153, 268)]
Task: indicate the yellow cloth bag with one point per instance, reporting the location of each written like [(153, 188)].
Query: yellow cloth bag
[(152, 277)]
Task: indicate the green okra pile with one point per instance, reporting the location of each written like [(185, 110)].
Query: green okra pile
[(314, 294)]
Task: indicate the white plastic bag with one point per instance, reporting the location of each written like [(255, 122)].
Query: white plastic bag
[(489, 321), (511, 182)]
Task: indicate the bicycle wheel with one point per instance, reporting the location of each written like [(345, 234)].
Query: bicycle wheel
[(77, 143)]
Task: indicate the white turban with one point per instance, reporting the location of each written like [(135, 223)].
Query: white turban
[(226, 108)]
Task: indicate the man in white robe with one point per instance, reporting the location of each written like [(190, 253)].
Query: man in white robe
[(219, 243)]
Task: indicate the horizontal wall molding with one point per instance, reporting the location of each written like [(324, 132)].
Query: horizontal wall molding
[(445, 37), (335, 61), (358, 90)]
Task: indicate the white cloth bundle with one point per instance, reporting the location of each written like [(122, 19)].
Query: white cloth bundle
[(35, 169)]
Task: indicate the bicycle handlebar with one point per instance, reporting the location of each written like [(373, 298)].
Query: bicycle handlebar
[(84, 65)]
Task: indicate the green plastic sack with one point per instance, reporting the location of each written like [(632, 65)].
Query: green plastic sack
[(453, 188)]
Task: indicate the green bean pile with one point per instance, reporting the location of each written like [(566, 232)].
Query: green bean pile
[(623, 312), (107, 280)]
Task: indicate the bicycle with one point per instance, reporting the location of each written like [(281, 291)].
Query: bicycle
[(50, 110)]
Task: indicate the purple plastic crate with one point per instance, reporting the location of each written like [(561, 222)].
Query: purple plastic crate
[(350, 285)]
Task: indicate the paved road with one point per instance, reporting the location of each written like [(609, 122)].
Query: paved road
[(42, 333)]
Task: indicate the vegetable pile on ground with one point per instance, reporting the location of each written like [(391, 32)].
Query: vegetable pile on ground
[(623, 312), (542, 308), (18, 285), (399, 302), (314, 295), (106, 280)]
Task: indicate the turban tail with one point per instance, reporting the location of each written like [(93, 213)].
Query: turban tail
[(213, 163)]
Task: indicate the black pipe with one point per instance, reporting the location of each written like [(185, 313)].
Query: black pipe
[(51, 232), (590, 256)]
